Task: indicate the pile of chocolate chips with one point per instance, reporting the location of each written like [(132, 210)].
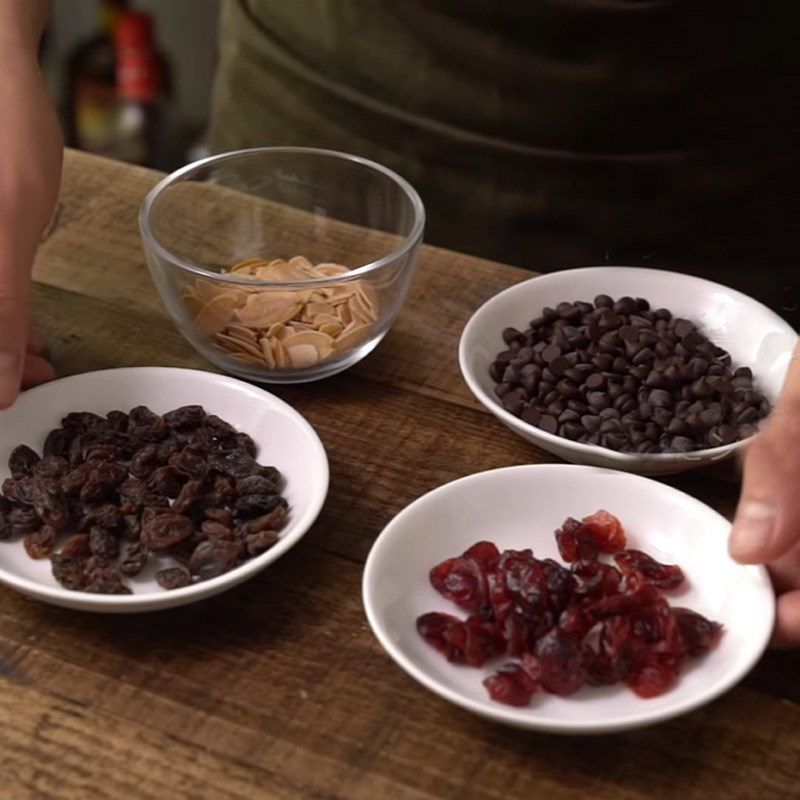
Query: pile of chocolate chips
[(619, 375), (113, 493)]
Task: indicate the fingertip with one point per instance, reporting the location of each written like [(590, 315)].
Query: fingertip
[(753, 532), (787, 621), (37, 370), (10, 368)]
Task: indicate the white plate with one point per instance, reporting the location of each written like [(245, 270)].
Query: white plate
[(750, 332), (285, 440), (519, 507)]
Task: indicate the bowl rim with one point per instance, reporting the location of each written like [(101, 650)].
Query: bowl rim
[(410, 241), (157, 600), (706, 455), (511, 716)]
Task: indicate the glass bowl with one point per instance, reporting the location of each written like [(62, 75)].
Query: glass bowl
[(282, 264)]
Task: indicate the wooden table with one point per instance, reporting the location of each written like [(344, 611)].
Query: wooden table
[(278, 688)]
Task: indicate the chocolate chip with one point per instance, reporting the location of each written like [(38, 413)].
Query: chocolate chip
[(558, 366), (595, 381), (682, 327), (531, 415), (550, 352), (548, 423), (598, 400), (660, 398)]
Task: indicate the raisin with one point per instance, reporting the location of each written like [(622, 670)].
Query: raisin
[(273, 521), (103, 544), (117, 420), (256, 484), (5, 522), (22, 520), (51, 467), (185, 417), (216, 530), (511, 685), (165, 481), (77, 546), (134, 559), (82, 421), (22, 460), (107, 517), (222, 515), (212, 558), (50, 503), (19, 490), (144, 461), (245, 443), (260, 542), (189, 462), (218, 427), (39, 543), (103, 577), (57, 443), (235, 463), (664, 576), (173, 578), (256, 505), (189, 492), (101, 452), (164, 530), (69, 571)]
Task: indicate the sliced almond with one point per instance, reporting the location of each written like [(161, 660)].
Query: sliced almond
[(350, 337), (328, 268), (247, 264), (344, 313), (207, 290), (240, 331), (360, 314), (321, 319), (333, 329), (368, 297), (234, 344), (302, 355), (301, 263), (192, 302), (341, 292), (248, 359), (314, 338), (217, 312), (266, 308), (279, 331), (279, 352), (315, 309), (266, 351)]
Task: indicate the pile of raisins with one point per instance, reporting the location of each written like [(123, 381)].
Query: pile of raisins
[(592, 623), (112, 493)]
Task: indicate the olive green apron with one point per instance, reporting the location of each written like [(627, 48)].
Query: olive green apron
[(547, 133)]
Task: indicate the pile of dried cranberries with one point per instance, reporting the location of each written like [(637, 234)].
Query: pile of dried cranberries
[(591, 623)]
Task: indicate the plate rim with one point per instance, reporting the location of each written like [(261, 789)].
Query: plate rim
[(154, 601), (517, 717)]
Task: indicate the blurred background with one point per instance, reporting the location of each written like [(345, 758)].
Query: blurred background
[(546, 134), (162, 122)]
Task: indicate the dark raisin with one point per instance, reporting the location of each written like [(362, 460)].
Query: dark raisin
[(51, 467), (212, 558), (189, 492), (22, 460), (255, 484), (185, 417), (103, 577), (103, 544), (164, 530), (50, 503), (165, 481), (39, 543), (69, 571), (134, 559), (260, 542), (173, 578), (144, 461), (256, 505)]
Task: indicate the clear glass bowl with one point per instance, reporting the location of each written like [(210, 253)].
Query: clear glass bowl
[(281, 318)]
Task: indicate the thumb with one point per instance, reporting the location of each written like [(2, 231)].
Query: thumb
[(14, 293), (763, 528)]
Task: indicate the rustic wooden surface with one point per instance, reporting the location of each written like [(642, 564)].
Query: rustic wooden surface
[(278, 688)]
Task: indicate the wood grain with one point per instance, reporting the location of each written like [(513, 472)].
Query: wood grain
[(278, 688)]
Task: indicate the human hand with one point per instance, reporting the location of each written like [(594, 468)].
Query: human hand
[(766, 528), (30, 169)]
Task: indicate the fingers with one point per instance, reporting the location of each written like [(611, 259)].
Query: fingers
[(765, 523), (787, 623), (36, 370), (36, 342), (13, 336)]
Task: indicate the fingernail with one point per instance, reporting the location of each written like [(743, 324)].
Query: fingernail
[(752, 530)]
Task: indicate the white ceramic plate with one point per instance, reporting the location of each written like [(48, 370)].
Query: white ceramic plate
[(752, 334), (285, 440), (519, 507)]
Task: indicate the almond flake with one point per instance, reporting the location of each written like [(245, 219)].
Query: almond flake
[(217, 312), (302, 355), (350, 337)]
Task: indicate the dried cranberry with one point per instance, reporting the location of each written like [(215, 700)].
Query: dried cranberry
[(651, 680), (663, 576), (471, 642), (607, 531), (561, 668), (576, 541), (511, 685), (597, 579), (699, 634), (461, 580)]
